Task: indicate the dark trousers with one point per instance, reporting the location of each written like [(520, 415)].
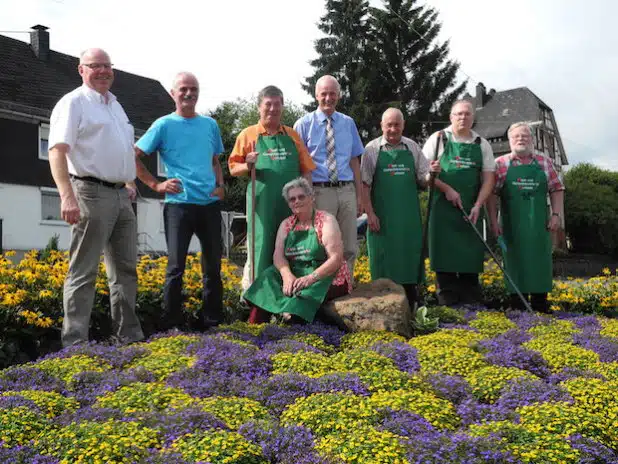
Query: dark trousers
[(538, 301), (411, 294), (181, 222), (457, 288)]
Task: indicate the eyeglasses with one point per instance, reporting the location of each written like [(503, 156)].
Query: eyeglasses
[(301, 197), (97, 66)]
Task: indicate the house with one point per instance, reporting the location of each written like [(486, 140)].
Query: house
[(32, 79), (496, 111)]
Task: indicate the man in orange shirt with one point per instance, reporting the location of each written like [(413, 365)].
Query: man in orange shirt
[(279, 156)]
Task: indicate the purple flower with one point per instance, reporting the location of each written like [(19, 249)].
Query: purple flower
[(569, 373), (16, 401), (24, 455), (163, 457), (330, 334), (524, 392), (286, 445), (403, 355), (29, 378), (272, 333), (502, 352), (526, 320), (408, 424), (175, 424), (472, 411), (593, 452), (289, 346), (90, 414), (453, 388), (87, 386), (213, 383), (114, 355)]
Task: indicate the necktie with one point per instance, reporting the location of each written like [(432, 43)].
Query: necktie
[(331, 161)]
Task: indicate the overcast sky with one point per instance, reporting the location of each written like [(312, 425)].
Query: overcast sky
[(565, 51)]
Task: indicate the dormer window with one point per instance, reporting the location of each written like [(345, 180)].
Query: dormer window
[(43, 141)]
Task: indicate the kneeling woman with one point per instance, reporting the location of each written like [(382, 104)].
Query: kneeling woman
[(308, 262)]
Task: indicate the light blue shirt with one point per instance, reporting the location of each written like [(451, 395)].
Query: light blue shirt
[(187, 147), (348, 144)]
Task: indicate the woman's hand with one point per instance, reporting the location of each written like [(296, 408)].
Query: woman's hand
[(303, 282), (288, 283)]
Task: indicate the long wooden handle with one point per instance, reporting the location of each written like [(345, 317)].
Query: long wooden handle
[(252, 223)]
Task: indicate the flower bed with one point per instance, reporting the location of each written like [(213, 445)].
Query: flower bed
[(494, 389)]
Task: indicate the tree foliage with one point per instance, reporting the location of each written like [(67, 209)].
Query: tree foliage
[(233, 117), (591, 209), (384, 57)]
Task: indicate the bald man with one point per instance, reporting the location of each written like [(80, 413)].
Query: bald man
[(189, 145), (393, 170), (91, 160)]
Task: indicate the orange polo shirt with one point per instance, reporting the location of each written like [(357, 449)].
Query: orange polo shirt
[(249, 135)]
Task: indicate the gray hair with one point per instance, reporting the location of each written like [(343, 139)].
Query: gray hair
[(328, 77), (269, 91), (299, 182), (181, 75), (463, 101), (395, 111), (526, 124)]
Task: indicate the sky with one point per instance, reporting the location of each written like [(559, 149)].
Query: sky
[(565, 51)]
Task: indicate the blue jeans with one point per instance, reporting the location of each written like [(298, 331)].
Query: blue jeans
[(181, 221)]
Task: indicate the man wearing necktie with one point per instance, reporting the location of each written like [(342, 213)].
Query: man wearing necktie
[(335, 146)]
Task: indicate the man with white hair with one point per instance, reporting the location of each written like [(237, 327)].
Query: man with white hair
[(189, 145), (393, 170), (465, 182), (91, 160), (523, 181), (335, 146)]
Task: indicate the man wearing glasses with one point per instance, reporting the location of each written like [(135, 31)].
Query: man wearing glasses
[(92, 163)]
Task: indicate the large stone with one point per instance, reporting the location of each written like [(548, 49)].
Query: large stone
[(377, 305)]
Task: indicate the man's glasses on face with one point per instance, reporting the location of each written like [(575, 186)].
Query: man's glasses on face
[(301, 197), (97, 66)]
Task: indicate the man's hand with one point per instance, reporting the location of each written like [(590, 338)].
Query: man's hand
[(169, 186), (132, 191), (434, 167), (218, 192), (373, 222), (69, 209), (453, 196), (288, 284), (474, 214), (251, 157), (554, 223), (359, 208)]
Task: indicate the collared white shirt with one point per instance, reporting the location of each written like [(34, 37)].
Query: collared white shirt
[(372, 151), (489, 163), (99, 135)]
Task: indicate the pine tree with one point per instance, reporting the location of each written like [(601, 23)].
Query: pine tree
[(386, 57)]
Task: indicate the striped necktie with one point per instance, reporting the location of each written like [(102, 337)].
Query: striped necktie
[(331, 161)]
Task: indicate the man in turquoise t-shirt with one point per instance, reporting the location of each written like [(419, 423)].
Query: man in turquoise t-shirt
[(189, 145)]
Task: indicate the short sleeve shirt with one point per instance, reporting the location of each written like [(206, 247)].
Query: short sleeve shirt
[(98, 133), (372, 151), (489, 163), (186, 147), (554, 183)]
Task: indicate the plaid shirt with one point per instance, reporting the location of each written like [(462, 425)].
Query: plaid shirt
[(554, 183)]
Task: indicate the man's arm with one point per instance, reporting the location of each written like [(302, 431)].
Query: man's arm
[(219, 190), (556, 198), (69, 208), (281, 263), (492, 211), (367, 170), (489, 181), (143, 174)]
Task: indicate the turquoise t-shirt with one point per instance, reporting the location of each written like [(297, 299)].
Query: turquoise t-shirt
[(186, 147)]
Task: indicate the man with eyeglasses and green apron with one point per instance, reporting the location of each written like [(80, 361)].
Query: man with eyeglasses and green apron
[(393, 168), (466, 181), (523, 181), (279, 156)]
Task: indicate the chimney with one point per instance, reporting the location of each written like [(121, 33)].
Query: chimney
[(39, 41), (481, 96)]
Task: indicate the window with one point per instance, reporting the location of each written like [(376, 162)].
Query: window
[(50, 204), (43, 141), (160, 167)]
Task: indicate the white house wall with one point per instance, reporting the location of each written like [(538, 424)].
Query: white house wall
[(23, 228)]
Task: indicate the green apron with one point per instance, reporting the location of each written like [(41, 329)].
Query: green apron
[(453, 244), (304, 254), (528, 257), (395, 250), (277, 164)]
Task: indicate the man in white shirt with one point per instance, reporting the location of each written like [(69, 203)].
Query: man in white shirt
[(465, 182), (92, 162)]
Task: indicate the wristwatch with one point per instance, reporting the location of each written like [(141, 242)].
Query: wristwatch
[(556, 214)]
